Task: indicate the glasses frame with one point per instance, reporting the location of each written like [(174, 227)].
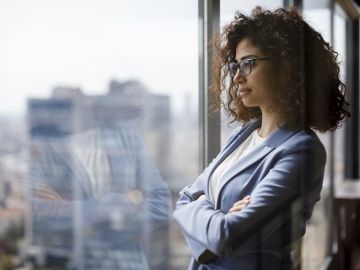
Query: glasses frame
[(239, 65)]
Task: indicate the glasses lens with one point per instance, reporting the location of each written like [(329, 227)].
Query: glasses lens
[(245, 67), (233, 67)]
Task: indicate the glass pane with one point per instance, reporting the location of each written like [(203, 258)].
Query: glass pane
[(317, 241), (99, 132), (340, 47), (315, 244)]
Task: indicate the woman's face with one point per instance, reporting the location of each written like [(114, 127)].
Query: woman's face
[(255, 88)]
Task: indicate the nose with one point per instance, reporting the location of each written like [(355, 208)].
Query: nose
[(239, 78)]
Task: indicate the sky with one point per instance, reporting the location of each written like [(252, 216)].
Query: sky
[(86, 43)]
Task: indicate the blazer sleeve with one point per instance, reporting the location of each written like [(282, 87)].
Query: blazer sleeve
[(222, 233), (192, 193)]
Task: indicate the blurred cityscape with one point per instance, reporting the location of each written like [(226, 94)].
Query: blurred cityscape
[(56, 213)]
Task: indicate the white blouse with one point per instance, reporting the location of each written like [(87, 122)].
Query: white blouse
[(243, 149)]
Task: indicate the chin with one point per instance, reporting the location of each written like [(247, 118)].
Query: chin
[(249, 104)]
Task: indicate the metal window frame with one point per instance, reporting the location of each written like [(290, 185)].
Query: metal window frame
[(209, 120), (352, 148)]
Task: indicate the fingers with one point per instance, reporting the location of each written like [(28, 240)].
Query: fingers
[(240, 205), (45, 192), (135, 196)]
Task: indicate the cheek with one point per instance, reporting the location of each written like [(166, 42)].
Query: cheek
[(263, 84), (269, 82)]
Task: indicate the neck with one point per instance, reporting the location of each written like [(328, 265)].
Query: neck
[(269, 123)]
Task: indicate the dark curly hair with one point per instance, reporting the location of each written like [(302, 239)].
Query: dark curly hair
[(310, 95)]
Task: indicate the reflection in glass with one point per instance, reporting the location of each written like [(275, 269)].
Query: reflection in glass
[(94, 190), (82, 44), (317, 241)]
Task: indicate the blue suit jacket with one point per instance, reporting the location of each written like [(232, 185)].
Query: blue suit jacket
[(283, 176)]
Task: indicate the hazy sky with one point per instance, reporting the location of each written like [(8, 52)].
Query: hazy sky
[(85, 43)]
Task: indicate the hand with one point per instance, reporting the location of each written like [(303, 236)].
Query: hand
[(202, 197), (45, 192), (135, 196), (240, 205)]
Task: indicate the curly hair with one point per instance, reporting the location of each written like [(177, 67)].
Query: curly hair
[(310, 94)]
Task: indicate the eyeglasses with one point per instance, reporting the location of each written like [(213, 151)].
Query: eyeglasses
[(244, 66)]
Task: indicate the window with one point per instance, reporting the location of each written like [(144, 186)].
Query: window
[(100, 126), (318, 240)]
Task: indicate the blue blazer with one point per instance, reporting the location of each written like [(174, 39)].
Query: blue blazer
[(283, 176)]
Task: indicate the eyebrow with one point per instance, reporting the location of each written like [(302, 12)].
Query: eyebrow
[(248, 56)]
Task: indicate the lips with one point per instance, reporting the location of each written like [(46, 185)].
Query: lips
[(244, 91)]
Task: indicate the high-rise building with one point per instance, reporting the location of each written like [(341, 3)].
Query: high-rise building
[(95, 191)]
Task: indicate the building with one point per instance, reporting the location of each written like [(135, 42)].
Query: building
[(84, 226)]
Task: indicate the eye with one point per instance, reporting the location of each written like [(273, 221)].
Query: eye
[(245, 66), (233, 67)]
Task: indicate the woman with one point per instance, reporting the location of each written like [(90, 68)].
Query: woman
[(97, 197), (251, 203)]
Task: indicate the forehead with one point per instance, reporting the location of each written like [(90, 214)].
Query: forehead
[(245, 48)]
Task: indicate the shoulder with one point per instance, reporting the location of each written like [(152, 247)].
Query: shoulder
[(304, 142), (305, 138)]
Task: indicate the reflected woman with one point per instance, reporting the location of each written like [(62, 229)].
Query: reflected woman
[(251, 203), (97, 195)]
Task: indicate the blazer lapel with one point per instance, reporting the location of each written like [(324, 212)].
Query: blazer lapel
[(238, 139), (259, 152)]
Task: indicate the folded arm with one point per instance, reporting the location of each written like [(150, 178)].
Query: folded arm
[(222, 232)]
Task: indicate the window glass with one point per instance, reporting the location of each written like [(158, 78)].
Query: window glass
[(340, 46), (318, 240), (315, 244), (99, 131)]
